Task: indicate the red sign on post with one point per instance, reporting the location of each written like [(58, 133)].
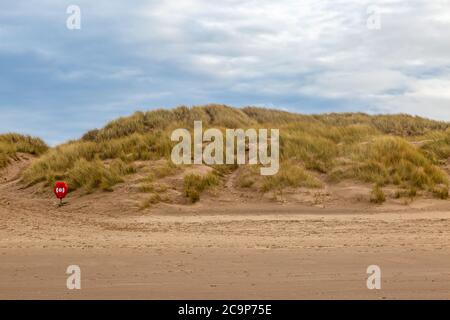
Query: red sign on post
[(60, 190)]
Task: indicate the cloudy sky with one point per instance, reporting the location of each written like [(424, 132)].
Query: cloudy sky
[(304, 56)]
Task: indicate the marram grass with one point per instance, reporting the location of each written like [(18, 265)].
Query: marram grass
[(400, 150)]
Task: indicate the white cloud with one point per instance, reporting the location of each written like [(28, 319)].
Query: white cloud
[(425, 97), (323, 48), (286, 53)]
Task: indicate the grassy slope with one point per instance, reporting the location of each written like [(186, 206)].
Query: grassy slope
[(12, 143), (375, 149)]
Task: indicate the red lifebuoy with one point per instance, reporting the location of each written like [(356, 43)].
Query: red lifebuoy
[(61, 189)]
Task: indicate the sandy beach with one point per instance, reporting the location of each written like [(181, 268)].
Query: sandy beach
[(218, 248)]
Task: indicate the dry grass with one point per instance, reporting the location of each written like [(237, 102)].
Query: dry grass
[(437, 146), (78, 158), (12, 143), (162, 170), (377, 195), (195, 184), (376, 149), (151, 200), (290, 175), (95, 174), (392, 160), (440, 192)]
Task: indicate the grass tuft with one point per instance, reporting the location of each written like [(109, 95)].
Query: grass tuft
[(290, 175), (195, 184), (377, 195)]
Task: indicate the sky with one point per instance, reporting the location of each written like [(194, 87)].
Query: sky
[(302, 56)]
